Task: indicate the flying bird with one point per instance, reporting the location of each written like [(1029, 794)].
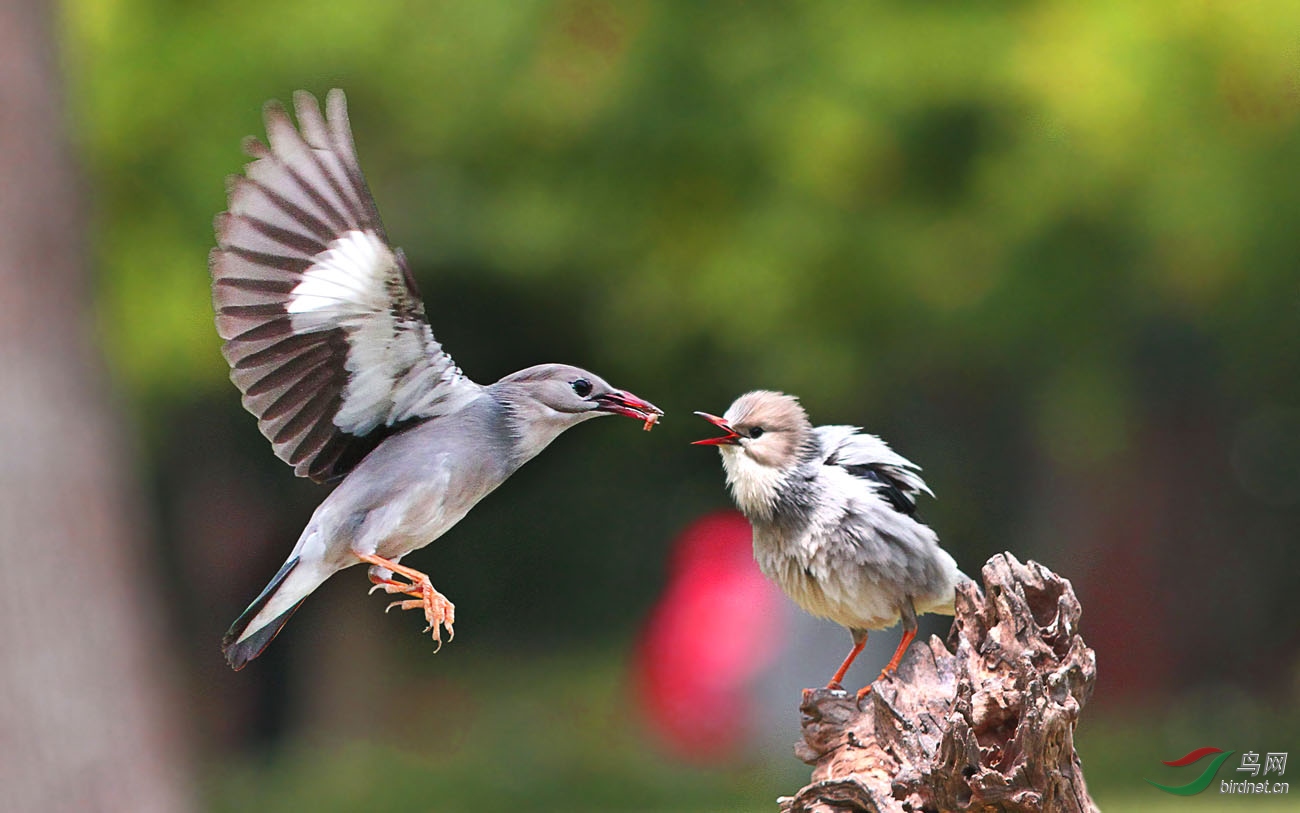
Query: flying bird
[(833, 511), (328, 343)]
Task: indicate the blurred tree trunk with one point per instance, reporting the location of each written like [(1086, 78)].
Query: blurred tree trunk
[(87, 719)]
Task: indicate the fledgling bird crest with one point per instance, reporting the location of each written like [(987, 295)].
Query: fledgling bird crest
[(773, 436)]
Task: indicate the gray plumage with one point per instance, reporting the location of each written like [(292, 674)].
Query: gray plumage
[(328, 343), (832, 510)]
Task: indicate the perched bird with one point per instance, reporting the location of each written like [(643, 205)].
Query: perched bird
[(327, 339), (833, 514)]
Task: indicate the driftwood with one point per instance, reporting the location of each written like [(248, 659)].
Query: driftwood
[(985, 723)]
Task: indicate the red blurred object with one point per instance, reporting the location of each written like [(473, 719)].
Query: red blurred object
[(716, 626)]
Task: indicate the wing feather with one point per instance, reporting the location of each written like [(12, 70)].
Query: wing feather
[(323, 328), (895, 478)]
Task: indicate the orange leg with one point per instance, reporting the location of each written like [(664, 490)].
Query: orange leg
[(438, 611), (838, 678), (903, 644), (907, 612)]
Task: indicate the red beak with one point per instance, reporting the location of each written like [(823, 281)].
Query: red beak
[(625, 403), (729, 439)]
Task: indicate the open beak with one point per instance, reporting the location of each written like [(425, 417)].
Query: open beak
[(729, 439), (625, 403)]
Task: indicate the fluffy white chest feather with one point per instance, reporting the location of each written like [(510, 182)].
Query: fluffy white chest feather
[(833, 557), (821, 572), (754, 487)]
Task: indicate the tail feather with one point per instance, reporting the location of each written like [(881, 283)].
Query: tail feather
[(239, 652)]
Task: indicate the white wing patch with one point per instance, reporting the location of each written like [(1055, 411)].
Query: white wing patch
[(346, 279), (353, 286)]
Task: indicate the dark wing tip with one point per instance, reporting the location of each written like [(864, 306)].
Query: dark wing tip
[(302, 98), (254, 148), (273, 107), (896, 493), (233, 183), (239, 653)]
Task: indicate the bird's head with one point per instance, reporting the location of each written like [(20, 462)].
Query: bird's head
[(573, 391), (767, 437), (771, 429), (547, 399)]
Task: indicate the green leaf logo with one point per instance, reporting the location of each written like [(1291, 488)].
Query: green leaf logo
[(1201, 782)]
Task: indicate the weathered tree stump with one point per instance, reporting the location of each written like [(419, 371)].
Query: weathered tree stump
[(985, 723)]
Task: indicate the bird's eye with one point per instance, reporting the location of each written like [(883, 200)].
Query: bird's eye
[(756, 432), (583, 387)]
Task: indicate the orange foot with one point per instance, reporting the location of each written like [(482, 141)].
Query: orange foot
[(892, 666), (438, 610)]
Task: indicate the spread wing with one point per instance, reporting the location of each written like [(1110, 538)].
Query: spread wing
[(893, 476), (324, 329)]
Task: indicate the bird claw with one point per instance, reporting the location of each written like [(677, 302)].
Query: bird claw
[(390, 588), (438, 610)]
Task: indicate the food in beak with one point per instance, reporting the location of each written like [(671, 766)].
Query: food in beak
[(625, 403)]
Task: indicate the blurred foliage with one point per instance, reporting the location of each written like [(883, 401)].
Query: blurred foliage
[(471, 741), (997, 235), (556, 733), (843, 199), (1011, 238)]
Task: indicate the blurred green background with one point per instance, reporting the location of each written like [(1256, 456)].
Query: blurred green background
[(1050, 251)]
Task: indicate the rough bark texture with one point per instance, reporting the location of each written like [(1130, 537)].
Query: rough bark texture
[(985, 723)]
